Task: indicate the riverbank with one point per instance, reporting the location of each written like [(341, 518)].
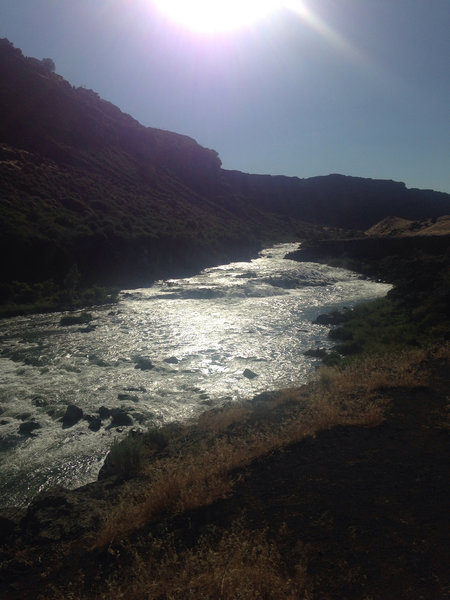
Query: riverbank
[(415, 312), (20, 298), (337, 489)]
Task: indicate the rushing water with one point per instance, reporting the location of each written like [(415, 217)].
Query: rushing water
[(200, 334)]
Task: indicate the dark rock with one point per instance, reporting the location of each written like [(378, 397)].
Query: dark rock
[(72, 416), (249, 374), (95, 424), (94, 421), (80, 319), (340, 333), (139, 417), (172, 360), (29, 426), (104, 412), (4, 422), (120, 418), (87, 329), (128, 397), (334, 318), (23, 416), (96, 360), (39, 402), (316, 353), (145, 364)]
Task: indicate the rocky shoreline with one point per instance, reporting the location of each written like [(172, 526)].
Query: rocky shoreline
[(367, 503), (343, 483)]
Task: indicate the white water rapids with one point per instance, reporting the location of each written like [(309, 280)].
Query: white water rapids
[(200, 334)]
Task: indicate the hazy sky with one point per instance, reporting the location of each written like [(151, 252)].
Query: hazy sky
[(359, 87)]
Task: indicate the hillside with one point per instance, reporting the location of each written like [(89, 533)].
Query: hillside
[(394, 226), (88, 195)]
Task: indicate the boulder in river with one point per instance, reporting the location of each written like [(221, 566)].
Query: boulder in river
[(75, 319), (39, 402), (316, 352), (142, 363), (23, 416), (172, 360), (28, 427), (334, 318), (128, 397), (120, 418), (95, 424), (249, 374), (72, 415), (104, 412)]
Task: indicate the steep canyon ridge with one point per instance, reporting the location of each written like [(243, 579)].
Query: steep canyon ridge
[(86, 187)]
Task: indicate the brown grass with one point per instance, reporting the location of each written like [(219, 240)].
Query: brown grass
[(198, 474), (243, 564), (236, 564), (202, 463)]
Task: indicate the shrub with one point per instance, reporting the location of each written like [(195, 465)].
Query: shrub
[(126, 457), (156, 438)]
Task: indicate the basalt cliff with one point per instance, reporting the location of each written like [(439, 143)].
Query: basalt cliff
[(86, 189)]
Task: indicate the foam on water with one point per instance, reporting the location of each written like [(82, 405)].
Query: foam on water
[(200, 333)]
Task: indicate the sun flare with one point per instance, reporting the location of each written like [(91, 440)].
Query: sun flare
[(216, 16)]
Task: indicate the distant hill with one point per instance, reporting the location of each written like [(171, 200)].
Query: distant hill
[(85, 186), (394, 226)]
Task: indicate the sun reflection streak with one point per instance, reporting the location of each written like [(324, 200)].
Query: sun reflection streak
[(313, 20)]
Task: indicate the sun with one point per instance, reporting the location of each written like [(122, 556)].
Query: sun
[(216, 16)]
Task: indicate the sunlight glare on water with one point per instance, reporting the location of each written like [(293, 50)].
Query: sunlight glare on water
[(199, 333)]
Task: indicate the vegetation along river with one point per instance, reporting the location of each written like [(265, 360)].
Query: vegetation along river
[(161, 354)]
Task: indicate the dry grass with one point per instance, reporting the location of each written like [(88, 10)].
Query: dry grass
[(356, 395), (236, 564), (204, 471), (177, 484), (216, 421), (243, 564)]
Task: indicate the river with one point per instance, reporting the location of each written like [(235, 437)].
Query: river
[(161, 354)]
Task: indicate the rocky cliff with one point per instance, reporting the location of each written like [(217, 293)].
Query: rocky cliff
[(86, 187)]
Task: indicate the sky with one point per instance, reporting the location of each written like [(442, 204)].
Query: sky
[(358, 87)]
